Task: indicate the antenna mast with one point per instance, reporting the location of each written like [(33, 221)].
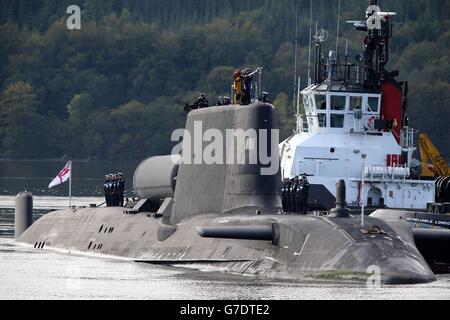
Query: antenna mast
[(310, 42), (295, 51), (338, 25)]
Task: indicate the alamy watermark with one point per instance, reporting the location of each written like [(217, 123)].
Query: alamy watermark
[(73, 22), (375, 16), (234, 146), (374, 279)]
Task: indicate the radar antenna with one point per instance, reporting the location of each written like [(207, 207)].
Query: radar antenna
[(320, 37)]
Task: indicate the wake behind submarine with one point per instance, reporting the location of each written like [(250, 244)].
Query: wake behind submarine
[(228, 217)]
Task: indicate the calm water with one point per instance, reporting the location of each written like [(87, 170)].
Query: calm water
[(30, 274), (34, 176)]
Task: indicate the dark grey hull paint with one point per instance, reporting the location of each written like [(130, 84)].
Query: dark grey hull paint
[(431, 234), (210, 197), (308, 246)]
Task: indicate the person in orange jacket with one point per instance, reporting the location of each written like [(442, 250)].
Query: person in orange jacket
[(237, 87)]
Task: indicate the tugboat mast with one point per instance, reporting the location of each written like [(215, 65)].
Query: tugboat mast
[(354, 107)]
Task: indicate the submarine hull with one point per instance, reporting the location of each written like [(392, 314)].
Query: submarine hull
[(431, 235), (302, 246), (226, 216)]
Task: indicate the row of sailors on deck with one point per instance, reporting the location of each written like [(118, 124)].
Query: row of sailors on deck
[(114, 188), (294, 194)]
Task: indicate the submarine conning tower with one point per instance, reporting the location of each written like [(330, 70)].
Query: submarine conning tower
[(236, 175)]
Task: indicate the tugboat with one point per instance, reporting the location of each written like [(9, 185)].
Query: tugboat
[(356, 127)]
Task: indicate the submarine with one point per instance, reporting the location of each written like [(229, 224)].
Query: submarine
[(227, 215)]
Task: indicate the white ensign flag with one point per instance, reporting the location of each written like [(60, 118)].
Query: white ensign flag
[(62, 176)]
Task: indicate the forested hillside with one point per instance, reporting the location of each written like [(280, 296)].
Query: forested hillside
[(116, 88)]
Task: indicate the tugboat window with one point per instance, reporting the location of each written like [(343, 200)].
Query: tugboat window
[(321, 102), (322, 117), (337, 121), (373, 104), (338, 103), (355, 103)]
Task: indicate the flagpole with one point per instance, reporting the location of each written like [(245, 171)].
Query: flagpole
[(70, 184)]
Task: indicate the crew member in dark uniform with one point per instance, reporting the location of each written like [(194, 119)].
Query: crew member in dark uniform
[(293, 188), (265, 97), (305, 194), (114, 189), (284, 185), (121, 187), (288, 195), (287, 187), (224, 101), (106, 188), (247, 80), (202, 102), (299, 197)]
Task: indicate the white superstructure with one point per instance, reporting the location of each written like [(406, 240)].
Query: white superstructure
[(329, 145), (354, 110)]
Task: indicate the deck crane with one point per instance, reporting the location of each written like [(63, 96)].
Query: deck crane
[(433, 164)]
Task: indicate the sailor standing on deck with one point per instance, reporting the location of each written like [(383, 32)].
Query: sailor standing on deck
[(288, 195), (305, 194), (287, 185), (106, 189), (292, 189), (114, 190), (121, 189), (202, 102), (299, 196), (283, 194), (247, 78), (294, 194)]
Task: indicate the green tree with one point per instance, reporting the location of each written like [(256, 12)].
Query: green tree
[(218, 81), (80, 106), (136, 62), (21, 126), (286, 117)]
